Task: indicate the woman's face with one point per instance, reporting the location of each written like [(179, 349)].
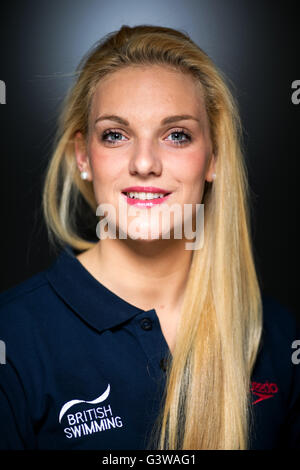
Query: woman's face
[(142, 150)]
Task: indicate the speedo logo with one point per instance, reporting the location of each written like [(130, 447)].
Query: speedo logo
[(263, 391), (90, 419)]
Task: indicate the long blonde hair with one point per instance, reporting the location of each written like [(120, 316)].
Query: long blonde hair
[(206, 404)]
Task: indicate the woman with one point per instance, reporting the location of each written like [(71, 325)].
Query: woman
[(134, 341)]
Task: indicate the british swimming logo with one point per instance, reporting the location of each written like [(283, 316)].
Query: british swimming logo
[(90, 419)]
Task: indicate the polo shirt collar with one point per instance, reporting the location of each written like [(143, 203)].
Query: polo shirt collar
[(91, 300)]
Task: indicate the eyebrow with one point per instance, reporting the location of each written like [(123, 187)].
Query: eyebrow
[(167, 120)]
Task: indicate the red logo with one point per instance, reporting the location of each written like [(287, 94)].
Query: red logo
[(263, 391)]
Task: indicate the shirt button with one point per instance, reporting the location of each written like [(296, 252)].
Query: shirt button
[(146, 324)]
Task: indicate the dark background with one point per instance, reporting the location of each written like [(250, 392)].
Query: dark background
[(254, 42)]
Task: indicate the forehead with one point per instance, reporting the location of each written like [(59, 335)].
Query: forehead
[(140, 88)]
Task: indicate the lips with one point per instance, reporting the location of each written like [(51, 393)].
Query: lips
[(145, 203), (145, 189)]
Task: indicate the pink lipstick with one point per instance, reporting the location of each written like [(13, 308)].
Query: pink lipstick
[(157, 196)]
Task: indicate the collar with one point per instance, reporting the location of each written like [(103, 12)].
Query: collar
[(92, 301)]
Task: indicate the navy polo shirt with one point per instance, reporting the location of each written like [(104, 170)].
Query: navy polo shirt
[(85, 369)]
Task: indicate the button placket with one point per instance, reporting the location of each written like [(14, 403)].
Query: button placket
[(151, 339)]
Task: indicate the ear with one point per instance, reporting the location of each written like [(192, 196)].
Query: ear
[(211, 169), (81, 154)]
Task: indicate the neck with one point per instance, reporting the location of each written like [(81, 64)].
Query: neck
[(145, 274)]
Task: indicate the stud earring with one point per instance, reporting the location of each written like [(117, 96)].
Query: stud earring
[(84, 175), (214, 175)]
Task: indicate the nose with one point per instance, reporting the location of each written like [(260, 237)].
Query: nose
[(145, 160)]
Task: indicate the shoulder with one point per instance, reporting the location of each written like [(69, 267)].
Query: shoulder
[(275, 360), (24, 293), (24, 305), (32, 322), (21, 291), (281, 328), (279, 321)]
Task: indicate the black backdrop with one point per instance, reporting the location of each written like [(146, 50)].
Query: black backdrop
[(254, 42)]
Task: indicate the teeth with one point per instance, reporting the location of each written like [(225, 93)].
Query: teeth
[(145, 196)]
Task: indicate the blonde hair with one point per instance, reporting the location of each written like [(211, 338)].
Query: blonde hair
[(206, 404)]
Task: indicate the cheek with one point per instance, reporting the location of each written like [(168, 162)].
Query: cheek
[(191, 175), (191, 169), (105, 167)]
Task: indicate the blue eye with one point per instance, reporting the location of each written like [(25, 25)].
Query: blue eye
[(178, 133), (107, 133)]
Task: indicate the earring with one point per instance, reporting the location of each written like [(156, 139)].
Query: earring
[(84, 175), (214, 175)]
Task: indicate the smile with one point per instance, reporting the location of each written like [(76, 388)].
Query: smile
[(144, 196), (144, 199)]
